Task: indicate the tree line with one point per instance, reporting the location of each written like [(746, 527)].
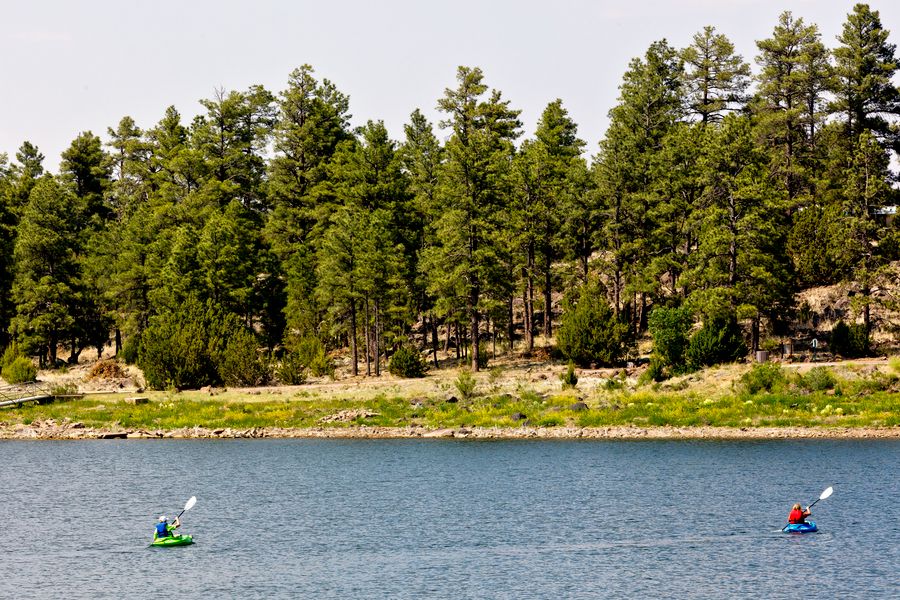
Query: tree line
[(718, 189)]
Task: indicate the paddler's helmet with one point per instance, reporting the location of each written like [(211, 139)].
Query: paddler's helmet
[(163, 519)]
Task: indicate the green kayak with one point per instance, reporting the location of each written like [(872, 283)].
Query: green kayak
[(173, 540)]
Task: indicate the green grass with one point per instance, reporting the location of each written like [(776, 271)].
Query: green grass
[(864, 402)]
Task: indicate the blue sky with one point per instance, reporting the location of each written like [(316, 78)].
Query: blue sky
[(68, 67)]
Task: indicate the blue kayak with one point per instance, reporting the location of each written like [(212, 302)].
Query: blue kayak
[(808, 527)]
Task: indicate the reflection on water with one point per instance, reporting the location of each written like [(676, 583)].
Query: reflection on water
[(449, 519)]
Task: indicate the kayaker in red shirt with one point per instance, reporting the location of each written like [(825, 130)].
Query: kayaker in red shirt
[(798, 515)]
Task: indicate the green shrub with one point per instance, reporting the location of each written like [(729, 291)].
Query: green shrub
[(189, 348), (669, 328), (895, 364), (655, 371), (64, 389), (131, 350), (241, 363), (291, 370), (407, 362), (767, 377), (529, 396), (612, 384), (311, 352), (718, 341), (817, 379), (10, 354), (849, 341), (483, 356), (569, 379), (20, 370), (589, 331), (465, 384)]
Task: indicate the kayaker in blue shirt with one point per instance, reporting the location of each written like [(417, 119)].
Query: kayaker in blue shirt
[(163, 529)]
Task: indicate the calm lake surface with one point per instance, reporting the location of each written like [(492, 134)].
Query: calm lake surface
[(449, 519)]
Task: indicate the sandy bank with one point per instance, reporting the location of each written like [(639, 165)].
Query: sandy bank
[(50, 430)]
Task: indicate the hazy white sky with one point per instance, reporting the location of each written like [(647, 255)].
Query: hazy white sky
[(68, 67)]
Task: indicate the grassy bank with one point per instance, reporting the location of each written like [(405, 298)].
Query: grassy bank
[(742, 397)]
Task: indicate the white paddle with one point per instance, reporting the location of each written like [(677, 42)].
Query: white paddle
[(828, 491), (190, 504)]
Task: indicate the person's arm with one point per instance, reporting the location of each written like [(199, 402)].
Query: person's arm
[(176, 524), (806, 512)]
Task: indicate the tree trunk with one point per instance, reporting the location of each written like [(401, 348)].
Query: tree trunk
[(377, 339), (754, 334), (510, 326), (584, 266), (867, 313), (51, 351), (368, 341), (118, 341), (528, 316), (494, 339), (617, 285), (642, 321), (548, 301), (732, 247), (474, 323), (434, 340), (353, 350)]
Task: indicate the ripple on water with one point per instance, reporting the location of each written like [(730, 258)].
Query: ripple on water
[(449, 519)]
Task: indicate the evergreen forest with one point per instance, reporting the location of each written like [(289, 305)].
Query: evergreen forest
[(266, 235)]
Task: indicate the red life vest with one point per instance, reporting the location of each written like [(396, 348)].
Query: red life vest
[(796, 516)]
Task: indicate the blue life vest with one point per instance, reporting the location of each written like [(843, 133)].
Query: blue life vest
[(162, 529)]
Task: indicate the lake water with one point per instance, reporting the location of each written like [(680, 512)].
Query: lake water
[(449, 519)]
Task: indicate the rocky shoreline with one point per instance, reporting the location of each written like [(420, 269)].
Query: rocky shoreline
[(73, 430)]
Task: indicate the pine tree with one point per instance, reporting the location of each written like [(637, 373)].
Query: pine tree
[(650, 104), (679, 182), (542, 168), (7, 243), (715, 78), (312, 122), (475, 189), (421, 157), (865, 94), (230, 254), (85, 167), (367, 178), (557, 133), (739, 267), (47, 286), (582, 210), (129, 168), (856, 237), (794, 73), (383, 285), (25, 174), (232, 137), (338, 274)]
